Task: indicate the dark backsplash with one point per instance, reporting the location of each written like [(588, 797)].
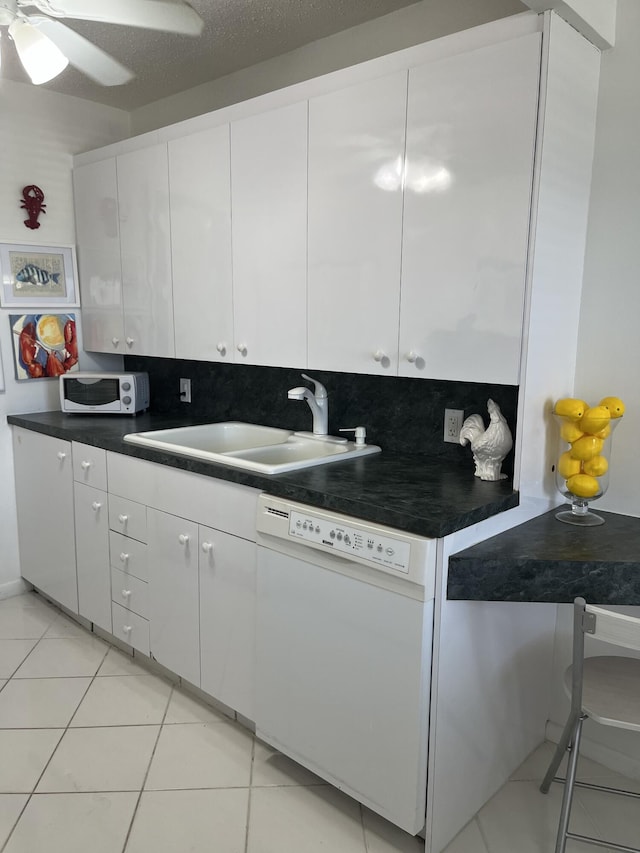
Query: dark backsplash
[(401, 415)]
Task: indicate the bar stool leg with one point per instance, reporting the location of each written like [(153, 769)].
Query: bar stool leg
[(561, 748), (567, 797)]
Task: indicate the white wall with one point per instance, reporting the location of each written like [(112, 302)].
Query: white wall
[(412, 25), (608, 358), (40, 131)]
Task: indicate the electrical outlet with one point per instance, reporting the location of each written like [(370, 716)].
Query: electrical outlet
[(453, 424), (185, 390)]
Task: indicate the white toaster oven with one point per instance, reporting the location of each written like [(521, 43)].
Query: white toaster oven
[(109, 393)]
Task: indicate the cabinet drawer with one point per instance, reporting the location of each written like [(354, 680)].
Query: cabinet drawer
[(128, 518), (128, 555), (130, 592), (89, 465), (130, 628)]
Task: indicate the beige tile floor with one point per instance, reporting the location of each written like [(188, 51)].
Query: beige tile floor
[(99, 754)]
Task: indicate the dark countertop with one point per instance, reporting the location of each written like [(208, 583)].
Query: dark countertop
[(547, 560), (420, 494)]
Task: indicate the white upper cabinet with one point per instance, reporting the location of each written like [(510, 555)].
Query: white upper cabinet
[(269, 208), (200, 201), (470, 148), (145, 242), (356, 151), (98, 237)]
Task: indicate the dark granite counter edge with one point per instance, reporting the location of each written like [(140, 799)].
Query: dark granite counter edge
[(545, 560), (284, 486)]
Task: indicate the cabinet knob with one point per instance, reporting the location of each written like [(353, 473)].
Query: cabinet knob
[(124, 557), (95, 506), (379, 355), (130, 342), (126, 593), (85, 465), (126, 628), (61, 455), (123, 518), (207, 547), (115, 341), (412, 357), (242, 349), (183, 539), (222, 348)]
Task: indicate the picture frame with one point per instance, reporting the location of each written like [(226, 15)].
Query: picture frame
[(44, 345), (38, 276)]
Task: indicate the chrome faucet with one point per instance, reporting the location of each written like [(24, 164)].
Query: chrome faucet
[(318, 403)]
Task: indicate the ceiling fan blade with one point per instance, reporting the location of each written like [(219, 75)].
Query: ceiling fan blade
[(83, 54), (173, 16), (40, 57)]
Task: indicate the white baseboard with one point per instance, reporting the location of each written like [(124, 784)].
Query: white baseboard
[(605, 755), (16, 587)]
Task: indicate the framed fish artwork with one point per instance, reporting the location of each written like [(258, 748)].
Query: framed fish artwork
[(38, 276)]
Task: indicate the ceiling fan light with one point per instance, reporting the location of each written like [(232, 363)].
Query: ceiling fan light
[(41, 59)]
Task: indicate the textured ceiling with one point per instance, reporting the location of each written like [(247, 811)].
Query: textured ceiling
[(237, 34)]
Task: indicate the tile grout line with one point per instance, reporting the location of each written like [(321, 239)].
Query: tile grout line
[(29, 796), (146, 775), (249, 794)]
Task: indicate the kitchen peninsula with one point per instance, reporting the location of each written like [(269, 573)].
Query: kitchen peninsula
[(546, 560)]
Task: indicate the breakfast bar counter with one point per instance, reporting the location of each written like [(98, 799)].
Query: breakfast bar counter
[(547, 560)]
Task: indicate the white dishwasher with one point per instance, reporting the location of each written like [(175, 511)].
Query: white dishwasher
[(343, 652)]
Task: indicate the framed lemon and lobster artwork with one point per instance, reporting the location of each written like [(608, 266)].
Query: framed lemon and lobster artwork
[(40, 280)]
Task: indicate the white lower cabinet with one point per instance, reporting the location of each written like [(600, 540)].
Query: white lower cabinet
[(44, 501), (227, 618), (92, 555), (173, 593)]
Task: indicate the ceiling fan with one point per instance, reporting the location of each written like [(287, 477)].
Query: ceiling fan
[(46, 46)]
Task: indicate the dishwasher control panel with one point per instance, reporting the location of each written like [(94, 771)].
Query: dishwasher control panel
[(349, 540)]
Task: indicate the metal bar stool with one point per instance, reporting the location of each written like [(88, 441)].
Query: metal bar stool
[(604, 689)]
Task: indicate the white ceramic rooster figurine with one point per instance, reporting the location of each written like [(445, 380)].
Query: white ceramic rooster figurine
[(489, 446)]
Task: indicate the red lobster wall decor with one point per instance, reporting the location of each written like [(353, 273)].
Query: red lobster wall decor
[(33, 203)]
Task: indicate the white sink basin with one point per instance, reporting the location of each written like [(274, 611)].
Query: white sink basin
[(206, 439), (267, 450)]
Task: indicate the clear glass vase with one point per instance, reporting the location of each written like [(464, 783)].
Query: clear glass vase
[(582, 469)]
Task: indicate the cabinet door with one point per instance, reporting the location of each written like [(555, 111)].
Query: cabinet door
[(269, 204), (470, 146), (200, 201), (145, 240), (92, 554), (98, 238), (44, 499), (173, 593), (356, 150), (227, 618)]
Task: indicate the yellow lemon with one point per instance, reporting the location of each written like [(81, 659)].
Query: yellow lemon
[(595, 467), (604, 433), (583, 486), (569, 407), (586, 447), (570, 431), (567, 466), (615, 406), (595, 419)]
